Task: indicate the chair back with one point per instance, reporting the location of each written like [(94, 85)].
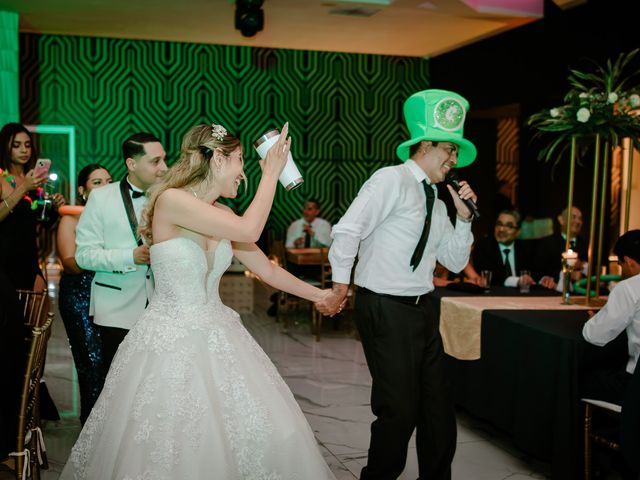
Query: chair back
[(325, 269), (33, 306), (29, 442), (278, 252)]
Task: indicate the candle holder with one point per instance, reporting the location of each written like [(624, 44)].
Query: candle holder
[(569, 260)]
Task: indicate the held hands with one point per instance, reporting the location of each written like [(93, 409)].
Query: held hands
[(141, 255), (464, 193), (278, 154), (332, 301)]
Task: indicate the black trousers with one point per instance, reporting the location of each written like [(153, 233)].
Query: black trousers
[(404, 353), (111, 339)]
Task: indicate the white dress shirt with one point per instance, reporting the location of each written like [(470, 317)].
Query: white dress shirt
[(622, 312), (383, 225), (138, 203), (321, 232)]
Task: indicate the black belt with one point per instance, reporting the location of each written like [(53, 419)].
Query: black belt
[(414, 300)]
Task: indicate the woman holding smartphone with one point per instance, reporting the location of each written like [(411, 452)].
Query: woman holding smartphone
[(18, 248)]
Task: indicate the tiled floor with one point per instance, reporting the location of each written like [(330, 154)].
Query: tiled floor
[(332, 384)]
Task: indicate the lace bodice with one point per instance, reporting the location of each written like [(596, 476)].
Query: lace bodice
[(185, 273)]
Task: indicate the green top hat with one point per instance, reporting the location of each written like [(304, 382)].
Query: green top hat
[(437, 115)]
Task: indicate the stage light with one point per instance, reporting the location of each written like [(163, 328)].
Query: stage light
[(249, 17)]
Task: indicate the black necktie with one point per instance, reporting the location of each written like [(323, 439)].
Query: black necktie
[(136, 194), (507, 266), (307, 237), (419, 251), (572, 244)]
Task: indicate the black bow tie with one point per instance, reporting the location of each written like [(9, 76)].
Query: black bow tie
[(135, 194)]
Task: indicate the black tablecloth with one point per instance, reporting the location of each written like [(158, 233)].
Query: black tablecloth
[(526, 382)]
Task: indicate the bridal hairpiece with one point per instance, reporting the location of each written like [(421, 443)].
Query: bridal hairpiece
[(218, 132)]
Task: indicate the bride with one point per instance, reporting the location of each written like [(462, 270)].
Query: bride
[(190, 395)]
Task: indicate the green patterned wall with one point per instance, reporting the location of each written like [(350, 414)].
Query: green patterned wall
[(345, 110)]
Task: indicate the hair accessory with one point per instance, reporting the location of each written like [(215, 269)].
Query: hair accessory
[(218, 132)]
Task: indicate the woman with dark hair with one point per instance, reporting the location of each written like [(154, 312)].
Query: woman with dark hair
[(74, 296), (18, 249)]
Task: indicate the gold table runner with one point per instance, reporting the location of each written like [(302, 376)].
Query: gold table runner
[(461, 319)]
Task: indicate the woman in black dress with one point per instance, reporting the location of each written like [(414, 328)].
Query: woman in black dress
[(18, 247), (18, 250)]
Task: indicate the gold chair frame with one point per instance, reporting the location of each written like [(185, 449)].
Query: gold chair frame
[(30, 453)]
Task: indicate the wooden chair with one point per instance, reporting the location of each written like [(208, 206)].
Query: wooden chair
[(590, 436), (626, 438), (325, 282), (34, 305), (30, 453), (286, 302)]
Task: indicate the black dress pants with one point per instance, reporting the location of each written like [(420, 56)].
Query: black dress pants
[(404, 352), (111, 339)]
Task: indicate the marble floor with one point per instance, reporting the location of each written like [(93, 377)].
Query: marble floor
[(332, 385)]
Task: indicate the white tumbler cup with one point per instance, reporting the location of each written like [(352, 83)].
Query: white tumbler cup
[(290, 177)]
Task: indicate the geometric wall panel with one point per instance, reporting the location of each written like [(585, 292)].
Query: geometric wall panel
[(344, 110), (507, 155)]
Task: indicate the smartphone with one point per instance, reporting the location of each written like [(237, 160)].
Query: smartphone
[(42, 168)]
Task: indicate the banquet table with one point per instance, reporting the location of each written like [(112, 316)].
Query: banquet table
[(525, 381), (307, 256)]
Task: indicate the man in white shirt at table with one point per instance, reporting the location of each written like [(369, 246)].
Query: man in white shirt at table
[(310, 230), (622, 312), (398, 228)]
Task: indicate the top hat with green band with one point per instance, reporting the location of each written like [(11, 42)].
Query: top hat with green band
[(437, 115)]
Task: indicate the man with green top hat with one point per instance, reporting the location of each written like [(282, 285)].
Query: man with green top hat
[(399, 229)]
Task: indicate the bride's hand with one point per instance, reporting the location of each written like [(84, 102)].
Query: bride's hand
[(330, 302), (277, 156)]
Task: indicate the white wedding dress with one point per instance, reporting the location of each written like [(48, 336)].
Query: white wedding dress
[(190, 394)]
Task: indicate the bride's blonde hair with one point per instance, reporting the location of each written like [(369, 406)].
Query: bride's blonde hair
[(192, 168)]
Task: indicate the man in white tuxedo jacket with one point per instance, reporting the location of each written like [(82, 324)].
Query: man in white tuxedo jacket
[(108, 243)]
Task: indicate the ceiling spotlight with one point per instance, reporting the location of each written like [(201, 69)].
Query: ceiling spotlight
[(249, 17)]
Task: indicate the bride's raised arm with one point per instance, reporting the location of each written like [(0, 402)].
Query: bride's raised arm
[(187, 210)]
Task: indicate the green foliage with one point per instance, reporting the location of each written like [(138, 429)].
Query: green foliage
[(604, 102)]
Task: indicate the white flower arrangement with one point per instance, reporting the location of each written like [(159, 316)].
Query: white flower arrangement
[(602, 103), (583, 115)]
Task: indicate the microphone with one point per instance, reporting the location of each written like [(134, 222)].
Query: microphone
[(453, 180)]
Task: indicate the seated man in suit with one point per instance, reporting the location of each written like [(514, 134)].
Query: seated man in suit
[(548, 258), (503, 254)]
